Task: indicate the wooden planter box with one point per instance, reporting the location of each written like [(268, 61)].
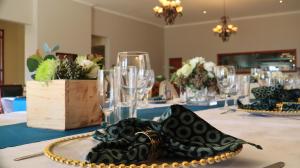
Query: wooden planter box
[(62, 104)]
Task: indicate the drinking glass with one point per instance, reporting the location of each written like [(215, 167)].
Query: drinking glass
[(126, 91), (150, 82), (265, 78), (106, 92), (240, 89), (142, 62), (225, 78)]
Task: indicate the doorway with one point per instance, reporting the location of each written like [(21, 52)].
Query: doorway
[(100, 46)]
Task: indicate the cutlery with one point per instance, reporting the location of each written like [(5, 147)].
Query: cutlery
[(29, 156), (276, 165)]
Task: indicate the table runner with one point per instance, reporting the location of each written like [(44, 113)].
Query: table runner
[(20, 134)]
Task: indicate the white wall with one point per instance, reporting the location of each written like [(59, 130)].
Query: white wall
[(129, 35), (16, 10), (66, 23), (269, 33)]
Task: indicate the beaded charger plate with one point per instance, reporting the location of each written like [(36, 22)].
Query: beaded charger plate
[(72, 151), (271, 113)]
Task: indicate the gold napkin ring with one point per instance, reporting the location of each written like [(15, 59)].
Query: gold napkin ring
[(154, 143)]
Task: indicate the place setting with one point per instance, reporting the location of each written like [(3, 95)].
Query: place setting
[(149, 84)]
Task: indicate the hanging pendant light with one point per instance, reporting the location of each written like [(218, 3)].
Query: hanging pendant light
[(169, 9), (224, 30)]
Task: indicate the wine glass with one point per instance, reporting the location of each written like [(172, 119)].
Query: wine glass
[(150, 82), (126, 91), (106, 92), (225, 76), (142, 62), (240, 89)]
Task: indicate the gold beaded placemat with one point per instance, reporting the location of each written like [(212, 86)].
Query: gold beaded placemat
[(48, 151), (271, 112)]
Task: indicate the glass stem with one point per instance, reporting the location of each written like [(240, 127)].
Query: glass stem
[(226, 103)]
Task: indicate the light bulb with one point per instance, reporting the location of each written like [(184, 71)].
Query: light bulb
[(156, 8), (219, 27), (178, 2), (235, 29), (160, 10), (230, 26), (179, 9), (173, 3)]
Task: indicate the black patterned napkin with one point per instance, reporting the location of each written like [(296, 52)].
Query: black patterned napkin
[(180, 134), (273, 98)]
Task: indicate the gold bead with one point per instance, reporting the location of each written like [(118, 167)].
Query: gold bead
[(154, 166), (203, 162), (210, 160), (111, 165), (217, 159), (102, 165), (143, 166), (223, 157), (175, 164), (228, 156), (185, 163), (132, 166), (122, 166), (194, 163), (165, 165)]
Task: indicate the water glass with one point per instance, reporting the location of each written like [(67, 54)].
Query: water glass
[(141, 61), (106, 91), (126, 91), (225, 78)]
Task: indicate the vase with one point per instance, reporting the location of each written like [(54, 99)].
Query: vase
[(196, 96)]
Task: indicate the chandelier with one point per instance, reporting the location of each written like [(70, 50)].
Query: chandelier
[(169, 9), (224, 30)]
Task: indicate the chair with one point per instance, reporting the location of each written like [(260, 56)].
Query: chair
[(11, 90), (167, 85)]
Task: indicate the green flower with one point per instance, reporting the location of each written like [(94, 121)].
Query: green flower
[(46, 70)]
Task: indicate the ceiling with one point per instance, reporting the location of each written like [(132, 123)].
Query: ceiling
[(193, 9)]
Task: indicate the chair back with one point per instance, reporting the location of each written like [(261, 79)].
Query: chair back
[(11, 90)]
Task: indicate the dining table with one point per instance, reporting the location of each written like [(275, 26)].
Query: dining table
[(279, 136)]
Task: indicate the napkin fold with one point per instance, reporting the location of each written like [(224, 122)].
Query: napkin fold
[(268, 98), (180, 134)]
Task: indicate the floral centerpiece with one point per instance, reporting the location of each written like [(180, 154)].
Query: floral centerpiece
[(50, 67), (198, 78), (69, 98)]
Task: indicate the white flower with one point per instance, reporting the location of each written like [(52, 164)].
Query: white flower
[(93, 72), (209, 66), (84, 62), (196, 60), (186, 70), (210, 75)]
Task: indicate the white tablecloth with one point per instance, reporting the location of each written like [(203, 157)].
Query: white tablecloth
[(280, 138)]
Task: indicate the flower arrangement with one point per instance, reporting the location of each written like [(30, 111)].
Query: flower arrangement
[(49, 67), (197, 74)]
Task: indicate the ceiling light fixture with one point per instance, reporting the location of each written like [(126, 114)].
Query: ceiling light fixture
[(224, 30), (204, 12), (169, 9)]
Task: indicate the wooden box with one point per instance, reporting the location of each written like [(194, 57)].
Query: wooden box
[(62, 104)]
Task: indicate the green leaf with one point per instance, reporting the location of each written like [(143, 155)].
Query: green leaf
[(33, 62), (49, 57)]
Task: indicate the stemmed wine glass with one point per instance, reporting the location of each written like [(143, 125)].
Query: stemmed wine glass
[(142, 62), (150, 82), (106, 92), (225, 78)]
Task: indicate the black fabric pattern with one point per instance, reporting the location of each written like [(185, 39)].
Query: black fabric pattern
[(266, 98), (182, 134)]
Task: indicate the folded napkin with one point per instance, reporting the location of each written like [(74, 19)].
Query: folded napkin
[(181, 134), (273, 98)]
